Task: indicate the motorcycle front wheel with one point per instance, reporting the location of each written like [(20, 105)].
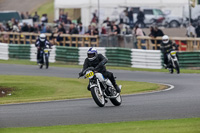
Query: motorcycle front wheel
[(47, 62), (177, 67), (98, 98)]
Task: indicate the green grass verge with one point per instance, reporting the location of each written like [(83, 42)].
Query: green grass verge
[(26, 62), (39, 88), (190, 125)]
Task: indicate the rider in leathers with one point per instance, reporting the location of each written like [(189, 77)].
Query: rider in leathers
[(166, 47), (98, 61), (41, 43)]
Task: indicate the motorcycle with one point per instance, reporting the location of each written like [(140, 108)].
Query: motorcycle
[(102, 89), (173, 62), (44, 58)]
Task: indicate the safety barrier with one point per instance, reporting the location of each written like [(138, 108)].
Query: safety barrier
[(4, 51), (119, 57), (116, 56), (189, 59), (185, 43), (146, 59), (67, 54), (19, 51), (56, 39)]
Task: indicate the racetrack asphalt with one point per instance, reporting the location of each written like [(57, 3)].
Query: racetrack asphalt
[(181, 102)]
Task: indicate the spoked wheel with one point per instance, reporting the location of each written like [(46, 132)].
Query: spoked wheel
[(117, 101), (177, 67), (98, 97)]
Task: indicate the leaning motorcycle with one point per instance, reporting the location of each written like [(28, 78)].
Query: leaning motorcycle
[(102, 89), (173, 62), (44, 58)]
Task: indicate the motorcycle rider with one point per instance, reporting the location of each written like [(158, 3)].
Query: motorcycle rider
[(98, 61), (41, 43), (166, 47)]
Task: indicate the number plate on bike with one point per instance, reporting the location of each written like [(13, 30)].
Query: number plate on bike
[(89, 74), (46, 50), (173, 53)]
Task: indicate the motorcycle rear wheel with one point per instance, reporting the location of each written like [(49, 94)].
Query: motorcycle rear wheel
[(117, 101), (98, 98)]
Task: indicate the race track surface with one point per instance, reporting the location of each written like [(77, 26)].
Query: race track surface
[(181, 102)]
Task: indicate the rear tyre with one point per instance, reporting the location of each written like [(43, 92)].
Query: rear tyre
[(117, 101), (98, 98)]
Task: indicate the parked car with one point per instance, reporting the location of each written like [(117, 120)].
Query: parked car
[(155, 16)]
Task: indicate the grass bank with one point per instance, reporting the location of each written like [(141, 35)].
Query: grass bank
[(40, 88), (191, 125), (26, 62)]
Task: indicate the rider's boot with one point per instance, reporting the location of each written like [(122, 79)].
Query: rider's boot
[(117, 88)]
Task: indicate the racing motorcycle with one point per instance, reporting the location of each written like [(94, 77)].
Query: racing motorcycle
[(44, 57), (173, 62), (102, 89)]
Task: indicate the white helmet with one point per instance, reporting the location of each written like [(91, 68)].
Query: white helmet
[(42, 37), (92, 54), (165, 39)]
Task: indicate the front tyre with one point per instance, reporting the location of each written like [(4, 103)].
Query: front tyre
[(117, 101), (177, 67), (47, 62), (98, 98)]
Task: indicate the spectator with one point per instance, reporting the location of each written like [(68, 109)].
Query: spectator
[(36, 17), (198, 30), (61, 29), (73, 29), (190, 31), (69, 21), (8, 28), (158, 33), (43, 29), (152, 34), (138, 32), (112, 27), (122, 16), (25, 28), (44, 18), (94, 19), (140, 19), (48, 29), (81, 29), (36, 28), (62, 17), (107, 21), (28, 16), (115, 30), (126, 19), (130, 16), (31, 29), (103, 29), (89, 29), (22, 15)]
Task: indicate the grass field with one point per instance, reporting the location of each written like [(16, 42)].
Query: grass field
[(190, 125), (39, 88), (26, 62)]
